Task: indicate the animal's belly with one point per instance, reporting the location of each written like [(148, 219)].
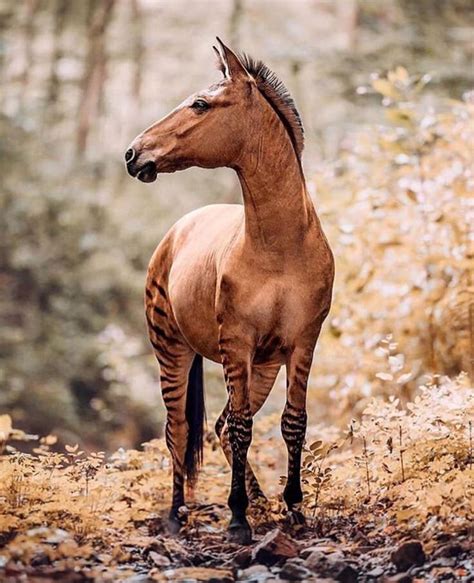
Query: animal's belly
[(198, 243), (193, 298), (200, 330), (198, 325), (192, 289), (272, 351)]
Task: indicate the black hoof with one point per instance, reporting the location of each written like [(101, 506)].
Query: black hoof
[(239, 533), (176, 520), (296, 518), (174, 525)]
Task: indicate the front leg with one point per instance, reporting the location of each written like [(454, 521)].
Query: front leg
[(261, 383), (293, 426), (236, 363)]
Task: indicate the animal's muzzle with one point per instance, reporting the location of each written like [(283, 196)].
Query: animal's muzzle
[(130, 155), (146, 172)]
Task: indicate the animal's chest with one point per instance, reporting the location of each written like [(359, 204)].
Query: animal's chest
[(275, 311), (280, 317)]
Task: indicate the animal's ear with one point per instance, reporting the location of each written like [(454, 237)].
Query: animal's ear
[(230, 63), (220, 64)]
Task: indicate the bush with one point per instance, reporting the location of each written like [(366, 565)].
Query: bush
[(399, 207)]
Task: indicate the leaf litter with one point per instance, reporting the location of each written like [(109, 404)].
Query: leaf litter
[(399, 474)]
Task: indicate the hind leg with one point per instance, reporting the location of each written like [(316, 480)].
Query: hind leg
[(174, 383), (262, 380), (175, 358)]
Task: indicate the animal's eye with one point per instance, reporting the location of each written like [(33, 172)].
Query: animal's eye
[(200, 105)]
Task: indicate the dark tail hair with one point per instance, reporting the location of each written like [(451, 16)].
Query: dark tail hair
[(195, 416)]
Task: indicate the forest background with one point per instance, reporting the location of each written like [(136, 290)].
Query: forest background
[(383, 90)]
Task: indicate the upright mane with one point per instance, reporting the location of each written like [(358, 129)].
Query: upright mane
[(278, 97)]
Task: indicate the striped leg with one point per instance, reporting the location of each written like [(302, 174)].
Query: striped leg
[(261, 383), (175, 359), (293, 426), (239, 421), (174, 384)]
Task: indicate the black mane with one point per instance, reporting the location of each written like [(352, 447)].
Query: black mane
[(278, 97)]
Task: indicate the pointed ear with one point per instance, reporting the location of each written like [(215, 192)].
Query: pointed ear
[(233, 67), (220, 64)]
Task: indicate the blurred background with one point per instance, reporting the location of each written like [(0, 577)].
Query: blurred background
[(383, 89)]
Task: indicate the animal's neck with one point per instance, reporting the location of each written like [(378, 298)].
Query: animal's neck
[(278, 209)]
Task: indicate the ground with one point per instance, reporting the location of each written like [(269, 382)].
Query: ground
[(390, 499)]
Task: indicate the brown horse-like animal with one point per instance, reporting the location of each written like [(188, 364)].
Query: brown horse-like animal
[(245, 286)]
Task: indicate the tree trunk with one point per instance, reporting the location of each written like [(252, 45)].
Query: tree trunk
[(351, 24), (138, 49), (95, 71), (32, 8), (60, 12)]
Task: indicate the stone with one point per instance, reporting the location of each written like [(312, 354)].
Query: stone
[(140, 578), (344, 572), (323, 548), (317, 559), (331, 565), (448, 550), (274, 547), (295, 570), (255, 574), (200, 574), (408, 554), (400, 578), (443, 562), (375, 572), (159, 560), (242, 558)]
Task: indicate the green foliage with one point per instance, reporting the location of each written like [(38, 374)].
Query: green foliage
[(66, 279), (77, 232)]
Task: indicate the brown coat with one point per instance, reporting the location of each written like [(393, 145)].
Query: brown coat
[(246, 286)]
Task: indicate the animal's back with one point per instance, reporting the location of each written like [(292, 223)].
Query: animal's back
[(186, 261), (206, 231)]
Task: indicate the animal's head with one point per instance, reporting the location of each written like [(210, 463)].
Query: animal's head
[(211, 127)]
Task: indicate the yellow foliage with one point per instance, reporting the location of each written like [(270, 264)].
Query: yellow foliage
[(403, 307), (398, 206), (414, 462), (417, 459)]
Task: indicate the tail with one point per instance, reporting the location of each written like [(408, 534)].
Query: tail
[(195, 416)]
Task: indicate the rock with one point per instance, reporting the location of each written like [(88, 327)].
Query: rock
[(443, 562), (326, 549), (409, 554), (255, 574), (318, 541), (448, 550), (344, 572), (295, 570), (242, 557), (375, 572), (159, 560), (39, 559), (274, 547), (400, 578), (331, 565), (199, 574), (143, 578), (318, 559)]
